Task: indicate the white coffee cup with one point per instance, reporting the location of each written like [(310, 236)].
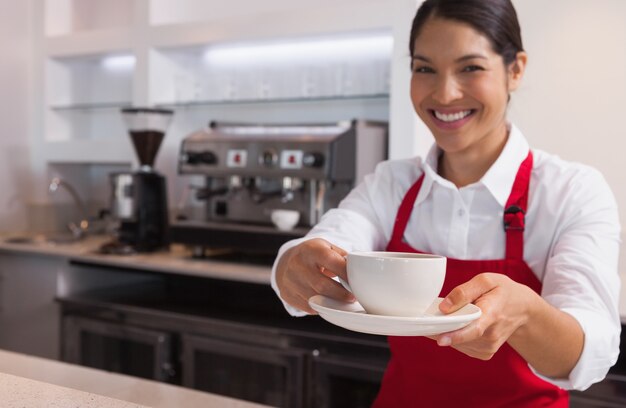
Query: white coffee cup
[(395, 283), (285, 220)]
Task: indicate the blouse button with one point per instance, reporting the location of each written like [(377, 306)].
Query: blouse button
[(461, 212)]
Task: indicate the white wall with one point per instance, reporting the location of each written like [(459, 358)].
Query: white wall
[(573, 99), (15, 49), (176, 11)]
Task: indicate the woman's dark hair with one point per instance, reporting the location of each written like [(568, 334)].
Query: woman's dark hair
[(495, 19)]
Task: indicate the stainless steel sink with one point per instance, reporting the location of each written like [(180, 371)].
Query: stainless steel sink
[(42, 239), (63, 239)]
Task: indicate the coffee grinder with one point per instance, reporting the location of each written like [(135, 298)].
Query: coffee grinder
[(139, 198)]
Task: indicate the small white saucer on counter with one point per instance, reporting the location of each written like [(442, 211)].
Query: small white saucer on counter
[(353, 317)]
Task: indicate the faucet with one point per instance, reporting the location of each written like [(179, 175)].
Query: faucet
[(78, 231)]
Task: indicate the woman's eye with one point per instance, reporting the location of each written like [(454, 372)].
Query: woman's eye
[(423, 70), (473, 68)]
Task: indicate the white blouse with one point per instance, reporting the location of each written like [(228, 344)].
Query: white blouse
[(571, 240)]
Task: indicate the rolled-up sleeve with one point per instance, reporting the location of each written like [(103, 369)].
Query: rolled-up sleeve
[(582, 279)]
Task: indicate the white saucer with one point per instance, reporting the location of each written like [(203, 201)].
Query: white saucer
[(353, 317)]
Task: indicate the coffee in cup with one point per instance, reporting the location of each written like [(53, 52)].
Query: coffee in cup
[(395, 283)]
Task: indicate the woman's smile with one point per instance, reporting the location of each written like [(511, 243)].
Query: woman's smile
[(451, 119)]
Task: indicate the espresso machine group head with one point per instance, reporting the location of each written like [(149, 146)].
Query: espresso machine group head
[(250, 170), (139, 198)]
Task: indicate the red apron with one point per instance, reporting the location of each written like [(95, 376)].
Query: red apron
[(422, 374)]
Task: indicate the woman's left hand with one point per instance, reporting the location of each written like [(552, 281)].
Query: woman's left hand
[(505, 304)]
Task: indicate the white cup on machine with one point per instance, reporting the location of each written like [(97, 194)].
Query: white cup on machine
[(285, 220), (395, 283)]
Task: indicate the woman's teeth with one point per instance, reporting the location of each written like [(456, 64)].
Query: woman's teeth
[(452, 117)]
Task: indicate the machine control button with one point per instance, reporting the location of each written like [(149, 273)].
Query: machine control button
[(206, 157), (314, 159), (291, 159), (237, 158), (191, 158), (268, 158)]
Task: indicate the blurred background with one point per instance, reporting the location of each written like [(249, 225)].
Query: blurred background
[(68, 65)]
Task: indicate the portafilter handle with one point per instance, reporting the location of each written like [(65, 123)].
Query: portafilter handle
[(207, 193)]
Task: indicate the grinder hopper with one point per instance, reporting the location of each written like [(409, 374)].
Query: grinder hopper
[(147, 128)]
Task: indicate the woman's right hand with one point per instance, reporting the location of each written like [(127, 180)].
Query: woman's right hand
[(307, 270)]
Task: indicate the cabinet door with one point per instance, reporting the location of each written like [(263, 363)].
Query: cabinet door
[(345, 382), (119, 348), (29, 317), (255, 373)]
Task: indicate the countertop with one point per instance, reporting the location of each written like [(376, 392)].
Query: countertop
[(177, 260), (27, 381)]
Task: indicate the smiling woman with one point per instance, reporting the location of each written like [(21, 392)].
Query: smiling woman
[(530, 239), (461, 94)]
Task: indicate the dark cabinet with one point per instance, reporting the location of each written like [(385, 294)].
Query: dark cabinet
[(267, 375), (118, 348), (191, 332), (608, 393), (29, 317), (344, 382)]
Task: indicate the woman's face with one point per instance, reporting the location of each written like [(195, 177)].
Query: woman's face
[(460, 86)]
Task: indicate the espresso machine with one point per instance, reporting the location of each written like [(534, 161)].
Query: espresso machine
[(139, 198), (250, 170)]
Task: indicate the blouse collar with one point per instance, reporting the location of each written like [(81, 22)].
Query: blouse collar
[(498, 179)]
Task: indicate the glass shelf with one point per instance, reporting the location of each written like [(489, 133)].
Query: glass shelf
[(311, 99), (91, 106), (88, 151)]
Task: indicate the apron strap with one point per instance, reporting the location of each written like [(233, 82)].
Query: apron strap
[(404, 212), (514, 218)]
